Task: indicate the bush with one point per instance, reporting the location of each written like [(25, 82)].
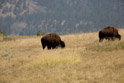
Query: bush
[(39, 33), (2, 33)]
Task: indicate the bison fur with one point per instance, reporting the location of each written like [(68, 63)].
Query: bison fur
[(109, 33), (52, 41)]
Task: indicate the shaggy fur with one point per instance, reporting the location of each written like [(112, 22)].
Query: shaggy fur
[(109, 33), (52, 40)]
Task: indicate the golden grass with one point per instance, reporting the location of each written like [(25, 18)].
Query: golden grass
[(107, 46), (22, 60), (1, 38)]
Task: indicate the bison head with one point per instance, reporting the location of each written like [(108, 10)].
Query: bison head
[(62, 44), (119, 36)]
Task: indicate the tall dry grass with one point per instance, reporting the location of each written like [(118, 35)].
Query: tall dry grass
[(84, 60)]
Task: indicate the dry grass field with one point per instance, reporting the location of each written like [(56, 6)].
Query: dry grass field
[(84, 60)]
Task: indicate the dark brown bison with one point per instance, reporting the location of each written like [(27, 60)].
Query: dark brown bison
[(52, 40), (109, 33)]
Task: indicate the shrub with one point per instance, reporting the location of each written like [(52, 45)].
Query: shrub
[(2, 33), (39, 33)]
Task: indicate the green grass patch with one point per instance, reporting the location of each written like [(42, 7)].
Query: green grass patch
[(47, 61), (107, 46)]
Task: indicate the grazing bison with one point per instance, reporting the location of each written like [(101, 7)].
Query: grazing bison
[(109, 33), (52, 40)]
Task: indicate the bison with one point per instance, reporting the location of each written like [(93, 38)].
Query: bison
[(52, 40), (109, 33)]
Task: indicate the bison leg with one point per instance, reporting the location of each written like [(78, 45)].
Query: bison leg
[(54, 46), (101, 39), (43, 46), (113, 38), (43, 43), (109, 38), (48, 47)]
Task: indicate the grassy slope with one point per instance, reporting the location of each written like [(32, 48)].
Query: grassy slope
[(84, 60)]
